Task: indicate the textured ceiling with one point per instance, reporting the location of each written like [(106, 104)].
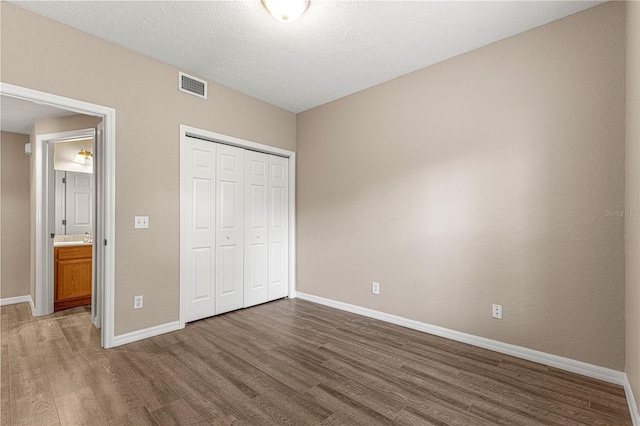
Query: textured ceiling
[(336, 48), (18, 116)]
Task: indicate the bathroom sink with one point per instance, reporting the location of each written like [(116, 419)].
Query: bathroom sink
[(70, 243)]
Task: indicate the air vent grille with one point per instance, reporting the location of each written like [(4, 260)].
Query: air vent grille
[(192, 85)]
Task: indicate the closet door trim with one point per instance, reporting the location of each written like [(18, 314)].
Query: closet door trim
[(192, 132)]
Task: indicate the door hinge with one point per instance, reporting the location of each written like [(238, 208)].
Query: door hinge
[(64, 221), (53, 235), (105, 242), (64, 180)]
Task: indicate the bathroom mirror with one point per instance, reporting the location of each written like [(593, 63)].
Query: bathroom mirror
[(73, 173)]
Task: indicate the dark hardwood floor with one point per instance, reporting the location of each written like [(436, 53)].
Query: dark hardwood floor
[(287, 362)]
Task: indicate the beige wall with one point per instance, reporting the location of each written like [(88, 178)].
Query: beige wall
[(483, 179), (14, 189), (65, 124), (632, 221), (44, 55)]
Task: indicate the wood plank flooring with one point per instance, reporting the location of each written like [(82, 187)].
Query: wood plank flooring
[(287, 362)]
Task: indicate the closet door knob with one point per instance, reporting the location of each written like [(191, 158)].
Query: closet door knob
[(258, 235), (228, 237)]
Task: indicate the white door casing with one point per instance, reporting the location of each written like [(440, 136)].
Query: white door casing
[(278, 227), (44, 253), (79, 203), (199, 190), (229, 228), (256, 239)]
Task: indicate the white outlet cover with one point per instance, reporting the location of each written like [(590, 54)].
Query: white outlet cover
[(138, 302), (496, 311), (141, 222)]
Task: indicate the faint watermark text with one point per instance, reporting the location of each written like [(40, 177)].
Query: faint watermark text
[(621, 213)]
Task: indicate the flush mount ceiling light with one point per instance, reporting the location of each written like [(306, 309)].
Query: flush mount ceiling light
[(83, 157), (286, 10)]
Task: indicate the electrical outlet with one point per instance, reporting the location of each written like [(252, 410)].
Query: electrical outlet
[(375, 288), (141, 222), (137, 302), (496, 311)]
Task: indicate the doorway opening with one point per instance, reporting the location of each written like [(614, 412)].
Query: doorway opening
[(103, 256), (71, 221)]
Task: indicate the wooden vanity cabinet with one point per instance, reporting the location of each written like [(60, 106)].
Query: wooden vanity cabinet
[(72, 272)]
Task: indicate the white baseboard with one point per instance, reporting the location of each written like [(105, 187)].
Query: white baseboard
[(145, 333), (589, 370), (18, 299), (633, 408)]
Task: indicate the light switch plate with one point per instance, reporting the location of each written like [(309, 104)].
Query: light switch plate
[(141, 222)]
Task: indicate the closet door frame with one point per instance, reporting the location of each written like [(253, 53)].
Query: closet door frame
[(189, 132)]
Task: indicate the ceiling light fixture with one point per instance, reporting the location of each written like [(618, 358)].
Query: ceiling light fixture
[(286, 10), (83, 157)]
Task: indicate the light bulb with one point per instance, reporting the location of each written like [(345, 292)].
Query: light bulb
[(286, 10)]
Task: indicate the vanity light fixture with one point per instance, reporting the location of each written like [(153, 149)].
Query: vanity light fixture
[(83, 157), (286, 10)]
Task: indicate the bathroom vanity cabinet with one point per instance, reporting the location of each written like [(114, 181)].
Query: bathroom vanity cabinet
[(72, 272)]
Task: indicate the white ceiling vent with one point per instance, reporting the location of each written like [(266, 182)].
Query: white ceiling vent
[(192, 85)]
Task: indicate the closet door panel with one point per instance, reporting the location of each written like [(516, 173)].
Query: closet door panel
[(278, 286), (228, 262), (256, 231), (198, 192), (229, 228)]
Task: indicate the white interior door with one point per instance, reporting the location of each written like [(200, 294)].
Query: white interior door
[(229, 228), (97, 285), (256, 235), (60, 192), (198, 192), (79, 203), (278, 227)]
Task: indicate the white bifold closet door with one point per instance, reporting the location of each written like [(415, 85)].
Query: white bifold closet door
[(256, 237), (199, 216), (278, 227), (229, 228), (266, 228), (235, 205)]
